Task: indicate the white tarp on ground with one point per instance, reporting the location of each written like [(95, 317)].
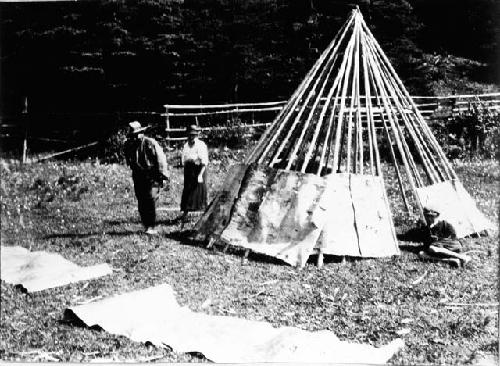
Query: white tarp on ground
[(37, 271), (455, 206), (154, 315)]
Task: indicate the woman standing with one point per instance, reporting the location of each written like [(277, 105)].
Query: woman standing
[(195, 161)]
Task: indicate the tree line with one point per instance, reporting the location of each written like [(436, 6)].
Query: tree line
[(116, 55)]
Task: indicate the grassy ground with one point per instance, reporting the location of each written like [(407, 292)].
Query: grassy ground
[(87, 213)]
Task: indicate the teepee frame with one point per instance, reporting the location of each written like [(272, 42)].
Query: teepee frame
[(349, 105), (348, 102)]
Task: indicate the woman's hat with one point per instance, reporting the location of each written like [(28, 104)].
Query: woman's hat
[(135, 127), (193, 130), (430, 212)]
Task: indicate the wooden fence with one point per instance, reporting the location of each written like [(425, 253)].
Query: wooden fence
[(171, 123), (257, 115)]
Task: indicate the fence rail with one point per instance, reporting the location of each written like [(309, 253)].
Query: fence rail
[(215, 117), (431, 107)]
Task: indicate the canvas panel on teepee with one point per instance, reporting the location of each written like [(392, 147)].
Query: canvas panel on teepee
[(282, 214), (455, 205), (359, 219), (217, 215), (316, 173), (273, 214)]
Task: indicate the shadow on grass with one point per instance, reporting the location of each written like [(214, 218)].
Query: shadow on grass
[(88, 235), (172, 221), (120, 222), (414, 238), (415, 248), (185, 238), (135, 220), (71, 319)]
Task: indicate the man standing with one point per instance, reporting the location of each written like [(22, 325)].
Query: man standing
[(149, 171)]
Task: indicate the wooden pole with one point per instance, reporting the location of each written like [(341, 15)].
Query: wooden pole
[(353, 83), (167, 126), (319, 262), (244, 259), (211, 242), (310, 95), (336, 159), (359, 135), (420, 119), (269, 137), (399, 100), (393, 119), (68, 151), (396, 167), (331, 126), (372, 138), (328, 68), (320, 121), (379, 84), (24, 154)]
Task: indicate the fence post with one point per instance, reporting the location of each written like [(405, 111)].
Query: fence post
[(24, 156), (167, 126)]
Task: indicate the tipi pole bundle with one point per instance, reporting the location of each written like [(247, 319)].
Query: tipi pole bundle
[(394, 127), (420, 144), (372, 137), (406, 158), (420, 120), (276, 128), (293, 154), (322, 115), (326, 113), (387, 132), (314, 182), (312, 92), (343, 74), (353, 83), (340, 118)]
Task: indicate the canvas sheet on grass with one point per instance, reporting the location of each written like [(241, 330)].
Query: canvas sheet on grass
[(37, 271), (273, 214), (455, 206), (154, 315)]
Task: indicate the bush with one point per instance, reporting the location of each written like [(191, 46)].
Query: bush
[(474, 132), (113, 147), (232, 134)]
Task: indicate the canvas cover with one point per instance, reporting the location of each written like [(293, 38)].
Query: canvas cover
[(154, 315), (217, 214), (273, 214), (37, 271), (289, 215), (359, 222), (456, 206)]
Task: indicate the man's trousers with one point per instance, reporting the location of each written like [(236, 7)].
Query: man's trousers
[(146, 191)]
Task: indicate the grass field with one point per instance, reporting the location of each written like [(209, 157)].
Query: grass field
[(87, 213)]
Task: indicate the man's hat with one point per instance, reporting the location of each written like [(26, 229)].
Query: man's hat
[(135, 127), (430, 212), (193, 130)]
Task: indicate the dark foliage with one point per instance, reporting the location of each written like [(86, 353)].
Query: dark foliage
[(110, 56)]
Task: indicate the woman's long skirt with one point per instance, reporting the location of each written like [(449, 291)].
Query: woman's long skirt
[(194, 195)]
